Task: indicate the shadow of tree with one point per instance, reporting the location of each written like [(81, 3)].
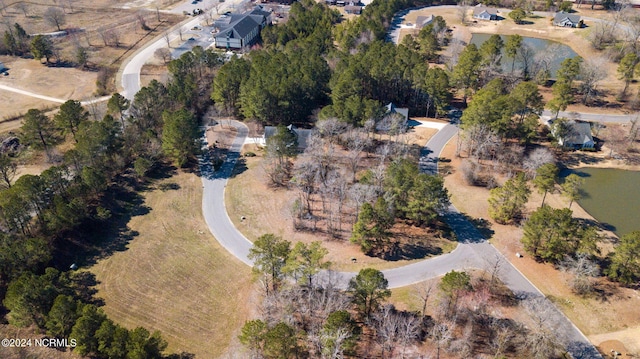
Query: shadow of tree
[(95, 238), (482, 225)]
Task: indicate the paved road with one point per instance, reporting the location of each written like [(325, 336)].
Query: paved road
[(213, 207), (49, 98), (131, 72), (473, 250), (594, 117)]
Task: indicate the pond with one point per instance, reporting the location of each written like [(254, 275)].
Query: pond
[(537, 54), (612, 197)]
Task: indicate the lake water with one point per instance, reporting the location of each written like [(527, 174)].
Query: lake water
[(612, 197), (543, 52)]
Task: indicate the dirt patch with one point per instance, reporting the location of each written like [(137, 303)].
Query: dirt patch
[(175, 277), (624, 341), (152, 72)]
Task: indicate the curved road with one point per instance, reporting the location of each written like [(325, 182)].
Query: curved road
[(473, 250)]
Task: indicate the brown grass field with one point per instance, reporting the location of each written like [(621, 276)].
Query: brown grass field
[(92, 17), (175, 277)]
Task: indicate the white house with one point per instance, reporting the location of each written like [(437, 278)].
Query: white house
[(482, 12)]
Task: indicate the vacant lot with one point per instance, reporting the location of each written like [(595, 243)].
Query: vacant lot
[(174, 277), (109, 32), (593, 315), (268, 210)]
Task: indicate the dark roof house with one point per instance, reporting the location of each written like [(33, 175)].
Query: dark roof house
[(485, 13), (386, 123), (240, 30), (578, 136), (353, 9), (302, 135), (422, 21), (567, 20)]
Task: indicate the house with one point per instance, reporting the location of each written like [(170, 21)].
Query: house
[(422, 21), (385, 124), (353, 9), (239, 30), (578, 136), (485, 13), (564, 19), (302, 135)]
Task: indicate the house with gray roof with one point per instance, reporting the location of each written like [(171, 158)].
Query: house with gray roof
[(564, 19), (387, 121), (239, 30), (578, 136), (422, 21), (482, 12), (302, 135)]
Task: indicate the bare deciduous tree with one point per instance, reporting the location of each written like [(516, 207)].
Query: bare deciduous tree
[(616, 139), (503, 336), (537, 158), (592, 71), (583, 269), (541, 340), (163, 54), (331, 129), (603, 34), (24, 7), (360, 193), (423, 291), (386, 324), (142, 21), (355, 141), (167, 39), (55, 16), (494, 267), (70, 5), (441, 334)]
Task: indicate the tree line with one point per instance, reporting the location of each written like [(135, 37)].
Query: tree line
[(49, 213)]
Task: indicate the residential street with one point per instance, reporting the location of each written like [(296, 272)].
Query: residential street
[(473, 250)]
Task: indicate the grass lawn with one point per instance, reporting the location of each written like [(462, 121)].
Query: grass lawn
[(175, 277)]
